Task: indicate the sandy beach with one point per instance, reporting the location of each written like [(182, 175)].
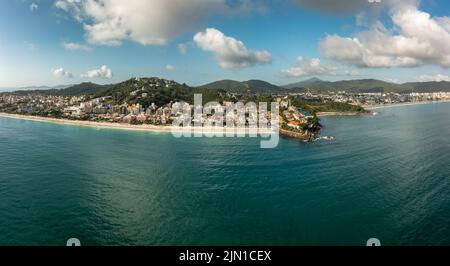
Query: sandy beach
[(146, 128), (321, 114), (374, 107)]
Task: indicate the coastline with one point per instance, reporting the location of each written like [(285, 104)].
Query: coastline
[(322, 114), (296, 135), (145, 128), (205, 130), (379, 106), (370, 108)]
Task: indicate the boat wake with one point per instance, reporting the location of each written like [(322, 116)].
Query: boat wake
[(324, 138)]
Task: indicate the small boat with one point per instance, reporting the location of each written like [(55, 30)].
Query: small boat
[(327, 138)]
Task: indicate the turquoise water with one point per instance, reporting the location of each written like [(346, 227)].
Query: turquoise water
[(385, 176)]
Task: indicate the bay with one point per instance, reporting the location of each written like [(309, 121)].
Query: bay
[(384, 176)]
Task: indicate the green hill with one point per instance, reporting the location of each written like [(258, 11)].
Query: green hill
[(161, 91), (226, 84), (428, 86), (146, 91), (262, 86), (368, 85), (86, 88), (253, 86)]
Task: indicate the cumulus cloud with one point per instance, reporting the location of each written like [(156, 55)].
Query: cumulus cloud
[(73, 7), (230, 53), (353, 73), (76, 47), (182, 48), (438, 78), (61, 73), (151, 22), (170, 68), (415, 39), (309, 67), (102, 72), (391, 80), (33, 7)]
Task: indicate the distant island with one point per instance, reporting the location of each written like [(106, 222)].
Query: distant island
[(148, 102)]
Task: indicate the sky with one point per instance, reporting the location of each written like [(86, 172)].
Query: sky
[(56, 42)]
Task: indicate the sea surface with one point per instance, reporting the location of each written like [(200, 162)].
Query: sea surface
[(384, 176)]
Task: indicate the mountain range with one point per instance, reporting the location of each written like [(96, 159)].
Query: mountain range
[(318, 85), (35, 88), (369, 85), (255, 86), (86, 88)]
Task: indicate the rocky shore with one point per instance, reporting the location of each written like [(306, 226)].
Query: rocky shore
[(297, 135)]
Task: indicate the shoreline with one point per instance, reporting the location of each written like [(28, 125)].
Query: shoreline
[(296, 135), (379, 106), (142, 128), (371, 108), (322, 114)]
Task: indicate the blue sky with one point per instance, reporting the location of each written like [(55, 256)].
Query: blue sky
[(53, 42)]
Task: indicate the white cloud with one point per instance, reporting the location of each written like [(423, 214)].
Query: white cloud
[(102, 72), (61, 73), (353, 73), (182, 48), (151, 22), (76, 46), (391, 80), (33, 7), (230, 53), (64, 5), (170, 68), (29, 45), (438, 78), (71, 6), (415, 39), (309, 67)]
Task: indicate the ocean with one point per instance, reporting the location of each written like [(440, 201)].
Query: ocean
[(385, 176)]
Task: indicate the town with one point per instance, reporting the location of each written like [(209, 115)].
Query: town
[(133, 104)]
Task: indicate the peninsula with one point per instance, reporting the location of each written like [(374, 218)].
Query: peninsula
[(147, 104)]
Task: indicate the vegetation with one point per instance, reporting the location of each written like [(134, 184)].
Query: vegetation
[(313, 124), (132, 91), (314, 106), (367, 86), (218, 90), (86, 88), (228, 85), (250, 86)]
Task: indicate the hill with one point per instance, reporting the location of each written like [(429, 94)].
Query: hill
[(147, 91), (368, 85), (253, 86), (162, 91), (86, 88), (304, 83), (226, 84), (428, 86), (262, 86)]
